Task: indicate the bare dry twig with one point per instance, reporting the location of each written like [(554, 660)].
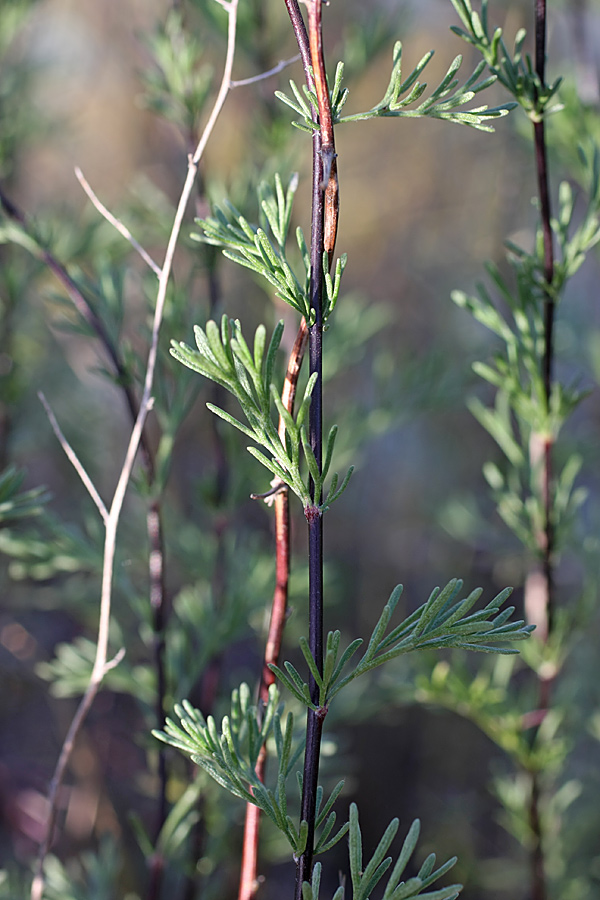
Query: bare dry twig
[(101, 664), (74, 459), (116, 223)]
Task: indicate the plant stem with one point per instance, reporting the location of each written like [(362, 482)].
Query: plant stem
[(248, 880), (154, 526), (538, 876), (323, 233), (547, 542), (101, 663), (541, 454), (301, 37), (324, 220)]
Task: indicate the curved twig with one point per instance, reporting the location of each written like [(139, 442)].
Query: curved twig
[(100, 663)]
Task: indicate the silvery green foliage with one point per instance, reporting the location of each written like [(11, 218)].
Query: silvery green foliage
[(224, 356), (443, 621), (15, 503), (443, 103), (231, 756), (366, 877), (514, 72), (250, 246), (520, 414)]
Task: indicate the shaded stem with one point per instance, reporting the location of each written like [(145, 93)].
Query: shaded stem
[(538, 877), (545, 442), (541, 160)]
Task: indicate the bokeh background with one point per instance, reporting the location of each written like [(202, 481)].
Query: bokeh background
[(423, 205)]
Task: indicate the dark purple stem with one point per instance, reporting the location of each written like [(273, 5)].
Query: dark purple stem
[(301, 34), (314, 726)]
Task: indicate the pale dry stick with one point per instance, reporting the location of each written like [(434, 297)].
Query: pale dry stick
[(74, 459), (116, 223), (281, 65), (101, 666)]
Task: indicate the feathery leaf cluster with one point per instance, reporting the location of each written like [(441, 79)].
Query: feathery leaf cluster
[(365, 878), (443, 621), (224, 356), (521, 412), (444, 102), (514, 72), (250, 246), (231, 757)]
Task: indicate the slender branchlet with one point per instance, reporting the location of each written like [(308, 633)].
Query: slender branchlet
[(544, 442), (154, 525), (323, 234), (101, 662), (541, 158)]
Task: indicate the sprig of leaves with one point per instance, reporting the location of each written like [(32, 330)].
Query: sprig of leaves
[(16, 503), (231, 755), (515, 72), (522, 418), (177, 86), (250, 246), (443, 621), (443, 103), (305, 101), (365, 878), (224, 356)]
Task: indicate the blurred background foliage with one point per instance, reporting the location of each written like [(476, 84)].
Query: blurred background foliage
[(120, 90)]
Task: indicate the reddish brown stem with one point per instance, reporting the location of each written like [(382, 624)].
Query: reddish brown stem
[(248, 875), (328, 154)]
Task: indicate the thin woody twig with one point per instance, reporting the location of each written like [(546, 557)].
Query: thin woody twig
[(153, 517), (116, 223), (281, 65), (100, 663), (74, 459), (268, 496)]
